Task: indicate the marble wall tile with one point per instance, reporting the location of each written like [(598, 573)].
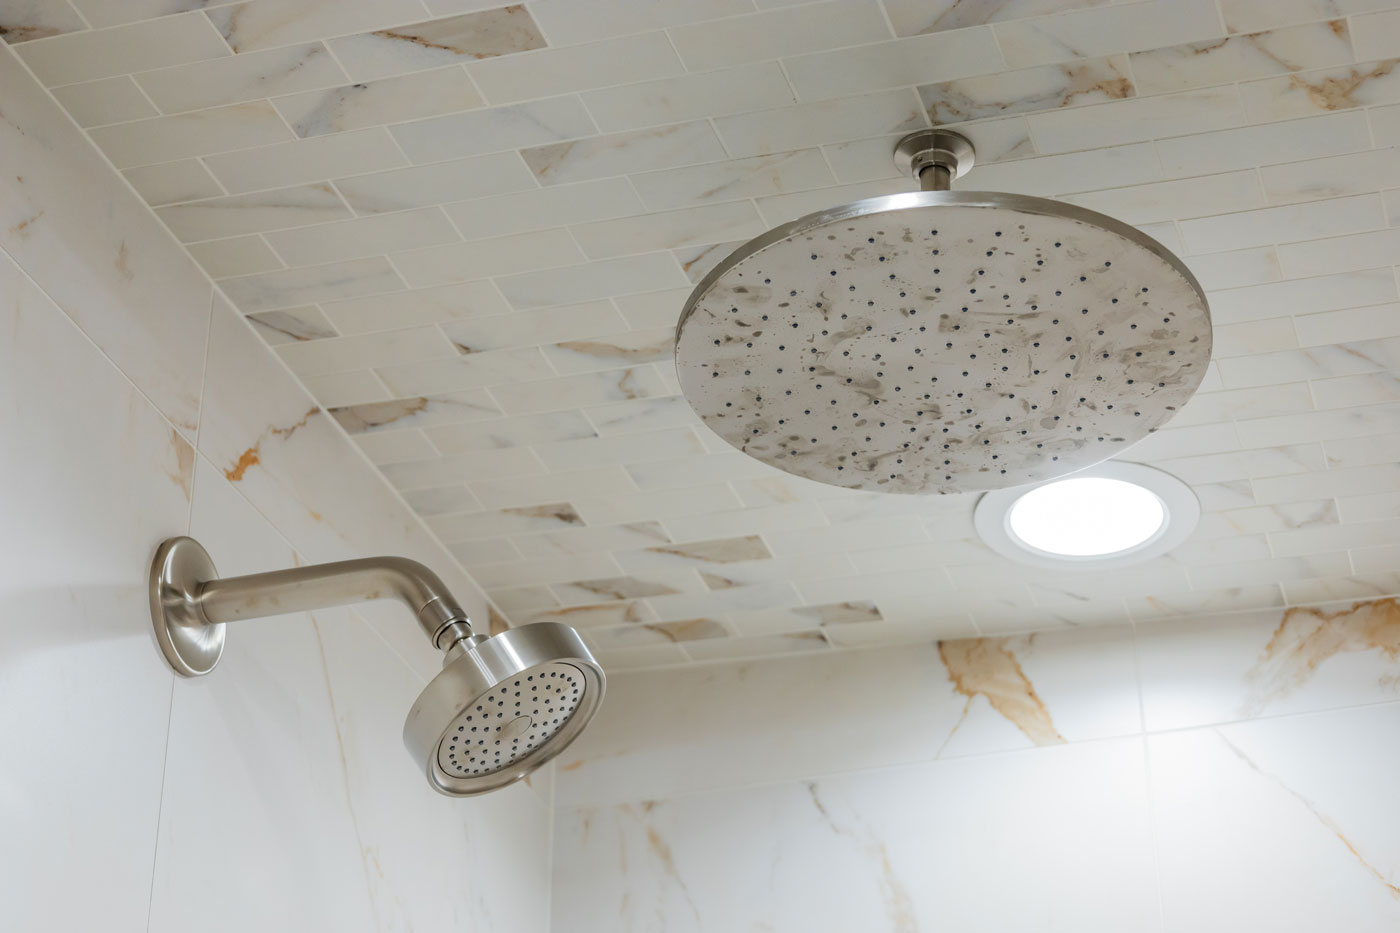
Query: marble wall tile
[(467, 371), (102, 53), (1343, 326), (494, 129), (659, 504), (358, 352), (240, 255), (1167, 200), (100, 13), (605, 483), (734, 179), (810, 124), (201, 132), (1313, 92), (168, 182), (236, 214), (350, 388), (528, 328), (409, 97), (426, 185), (471, 36), (148, 312), (73, 545), (925, 59), (667, 230), (810, 27), (1254, 15), (533, 429), (1136, 119), (106, 100), (620, 153), (591, 281), (542, 208), (755, 86), (305, 160), (1239, 57), (1128, 27), (1340, 254), (365, 418), (27, 20), (912, 17), (583, 540), (1227, 150), (567, 23), (366, 236), (1283, 224), (477, 259), (292, 325), (553, 71), (1237, 267), (617, 352), (289, 287), (477, 464), (1332, 177), (262, 24), (1385, 125), (242, 78), (533, 519), (1303, 296), (1048, 87), (1287, 365), (419, 306)]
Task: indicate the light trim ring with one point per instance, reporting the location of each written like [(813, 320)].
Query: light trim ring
[(1180, 513)]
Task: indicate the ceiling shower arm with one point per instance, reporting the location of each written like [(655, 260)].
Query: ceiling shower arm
[(341, 583)]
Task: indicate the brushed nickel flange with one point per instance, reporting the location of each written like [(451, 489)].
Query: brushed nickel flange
[(934, 158)]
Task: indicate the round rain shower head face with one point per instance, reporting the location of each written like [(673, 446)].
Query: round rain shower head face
[(503, 707), (943, 341)]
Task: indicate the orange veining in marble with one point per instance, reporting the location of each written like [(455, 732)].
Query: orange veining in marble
[(986, 667), (1306, 638)]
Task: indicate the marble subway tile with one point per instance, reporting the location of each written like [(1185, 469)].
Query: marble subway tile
[(585, 540), (913, 17), (1286, 516), (1161, 201), (418, 412), (426, 185), (684, 631), (1136, 119), (1385, 125), (240, 255), (100, 13), (1339, 254), (103, 53), (552, 71), (613, 352), (1240, 57), (493, 129), (756, 86), (925, 59), (471, 36), (524, 599), (529, 328), (567, 23), (667, 230), (233, 215), (1048, 87), (652, 583), (554, 570), (465, 371), (632, 505), (1331, 177), (810, 124), (202, 132), (253, 76), (641, 415), (292, 325), (770, 34), (476, 464), (272, 290), (1313, 92), (38, 19), (1303, 296), (1264, 336), (734, 179), (1366, 356), (419, 306), (1196, 602), (1237, 267), (591, 281), (262, 24), (1101, 30), (106, 100), (510, 432), (169, 182), (541, 208), (643, 657), (652, 309), (621, 153), (1254, 15), (1246, 147), (352, 107), (497, 256), (365, 236), (532, 519), (590, 618), (358, 352), (574, 391), (1305, 221), (305, 160), (347, 388), (1349, 325)]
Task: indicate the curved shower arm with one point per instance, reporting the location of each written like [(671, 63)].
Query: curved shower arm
[(340, 583)]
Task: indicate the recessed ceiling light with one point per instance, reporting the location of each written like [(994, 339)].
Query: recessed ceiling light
[(1109, 515)]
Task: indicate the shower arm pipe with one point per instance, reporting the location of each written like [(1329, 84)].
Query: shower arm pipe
[(935, 178), (321, 586)]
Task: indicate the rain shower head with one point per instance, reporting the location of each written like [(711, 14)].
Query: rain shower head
[(501, 707), (942, 341)]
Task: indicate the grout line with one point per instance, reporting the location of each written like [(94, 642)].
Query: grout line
[(160, 800)]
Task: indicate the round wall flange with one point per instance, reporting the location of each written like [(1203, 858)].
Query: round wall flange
[(929, 148), (191, 643)]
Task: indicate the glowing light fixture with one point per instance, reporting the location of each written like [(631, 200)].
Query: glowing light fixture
[(1109, 515)]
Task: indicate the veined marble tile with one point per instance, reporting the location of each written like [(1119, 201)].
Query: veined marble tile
[(746, 521), (1102, 30), (103, 53), (107, 100), (1312, 92), (477, 259), (590, 618), (724, 465), (409, 97), (1371, 420), (784, 207), (685, 632), (591, 281), (640, 586), (912, 17), (687, 97), (1303, 296), (1340, 254), (711, 223), (810, 124), (1305, 221), (528, 328), (641, 415), (1254, 15), (757, 646), (168, 182), (261, 24), (769, 34), (1246, 147), (586, 540), (1366, 356), (543, 208), (632, 505), (366, 236), (1331, 177), (1351, 452), (524, 599), (1244, 404), (615, 352), (1167, 200), (241, 255), (553, 570), (653, 309), (260, 211), (699, 260), (581, 390), (567, 23), (27, 20), (1136, 119), (1363, 536), (925, 59), (502, 522), (1352, 586), (304, 160), (1048, 87), (509, 432), (361, 351), (202, 132), (1373, 507), (621, 153), (272, 290), (646, 656), (100, 13), (1240, 57), (734, 179), (1195, 602), (292, 325), (1385, 125), (1237, 267), (1263, 336), (1283, 517), (422, 411), (1246, 573), (471, 36), (552, 71), (465, 371), (494, 129), (348, 388), (426, 185), (1354, 391), (419, 306), (1349, 325), (474, 464), (241, 78)]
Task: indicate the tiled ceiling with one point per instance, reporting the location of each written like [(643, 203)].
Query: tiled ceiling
[(470, 231)]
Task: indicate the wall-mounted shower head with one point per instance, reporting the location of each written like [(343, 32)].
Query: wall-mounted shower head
[(942, 341), (500, 708)]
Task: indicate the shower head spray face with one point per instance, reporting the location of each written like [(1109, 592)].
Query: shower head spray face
[(941, 341), (502, 707)]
